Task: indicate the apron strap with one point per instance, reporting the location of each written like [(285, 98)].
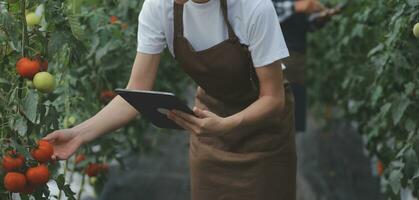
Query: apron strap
[(178, 19), (224, 9)]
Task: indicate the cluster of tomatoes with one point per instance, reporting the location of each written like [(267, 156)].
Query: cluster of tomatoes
[(92, 169), (115, 20), (25, 178), (35, 70)]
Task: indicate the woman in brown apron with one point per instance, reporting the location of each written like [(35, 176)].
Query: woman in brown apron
[(233, 154), (246, 164)]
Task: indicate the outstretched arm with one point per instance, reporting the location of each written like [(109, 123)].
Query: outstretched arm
[(113, 116)]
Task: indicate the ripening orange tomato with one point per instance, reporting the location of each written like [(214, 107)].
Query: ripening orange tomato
[(113, 19), (27, 68), (80, 158)]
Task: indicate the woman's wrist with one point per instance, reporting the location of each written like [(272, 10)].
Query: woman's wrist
[(79, 132), (234, 122)]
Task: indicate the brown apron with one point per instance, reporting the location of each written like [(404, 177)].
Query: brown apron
[(246, 165)]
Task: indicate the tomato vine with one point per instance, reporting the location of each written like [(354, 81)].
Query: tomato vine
[(368, 67)]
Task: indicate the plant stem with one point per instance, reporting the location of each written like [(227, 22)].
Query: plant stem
[(25, 40), (81, 186), (60, 193), (72, 174)]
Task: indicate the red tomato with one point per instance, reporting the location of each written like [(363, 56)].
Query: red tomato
[(80, 158), (107, 95), (37, 175), (14, 182), (27, 68), (113, 19), (13, 161), (380, 168), (94, 169), (43, 152)]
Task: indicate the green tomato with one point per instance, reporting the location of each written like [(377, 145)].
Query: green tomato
[(72, 120), (416, 30), (44, 82), (69, 121), (32, 19)]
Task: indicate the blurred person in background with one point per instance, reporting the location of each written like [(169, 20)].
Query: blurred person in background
[(297, 18), (242, 142)]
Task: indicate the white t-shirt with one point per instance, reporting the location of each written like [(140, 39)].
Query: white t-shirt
[(254, 21)]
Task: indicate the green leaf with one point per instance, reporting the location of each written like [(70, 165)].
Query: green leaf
[(376, 94), (399, 109), (416, 147), (76, 27), (353, 106), (30, 105), (60, 181), (411, 161), (68, 192), (4, 81), (21, 149), (409, 87), (394, 179), (21, 126), (385, 108), (375, 50), (410, 125), (413, 2)]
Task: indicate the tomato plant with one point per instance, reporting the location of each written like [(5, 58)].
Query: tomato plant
[(368, 68), (73, 50)]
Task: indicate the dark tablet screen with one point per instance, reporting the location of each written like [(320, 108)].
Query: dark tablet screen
[(154, 105)]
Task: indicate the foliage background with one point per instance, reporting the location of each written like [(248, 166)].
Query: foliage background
[(368, 69)]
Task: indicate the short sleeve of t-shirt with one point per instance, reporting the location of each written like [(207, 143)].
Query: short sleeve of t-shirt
[(151, 37), (266, 41)]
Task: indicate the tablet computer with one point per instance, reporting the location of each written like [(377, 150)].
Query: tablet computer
[(154, 105)]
